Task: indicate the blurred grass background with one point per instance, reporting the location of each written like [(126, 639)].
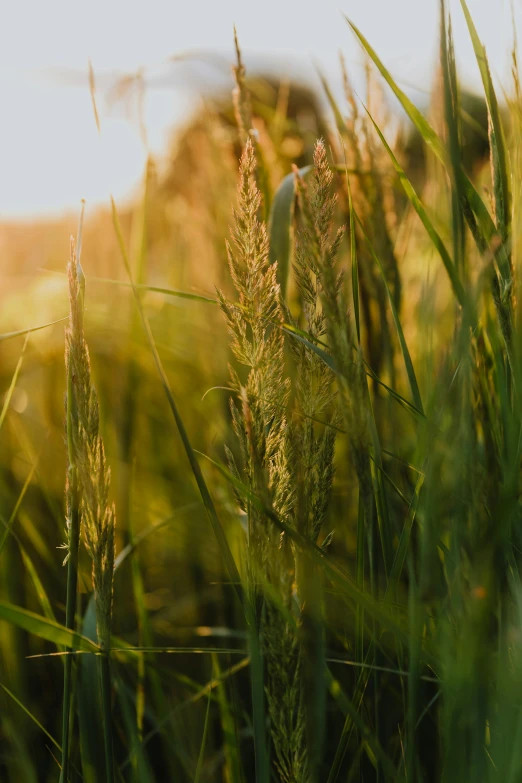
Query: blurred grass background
[(173, 589)]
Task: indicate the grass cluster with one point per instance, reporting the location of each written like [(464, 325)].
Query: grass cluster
[(318, 558)]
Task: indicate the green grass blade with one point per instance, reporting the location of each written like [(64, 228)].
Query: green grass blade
[(38, 585), (497, 142), (404, 540), (355, 265), (339, 119), (156, 290), (232, 749), (45, 628), (484, 230), (200, 693), (12, 385), (423, 126), (31, 716), (452, 115), (201, 756), (21, 332), (404, 348), (141, 772), (335, 573), (90, 707), (9, 524), (418, 206), (280, 227), (350, 710)]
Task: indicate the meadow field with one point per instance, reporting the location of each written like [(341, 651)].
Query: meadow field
[(260, 448)]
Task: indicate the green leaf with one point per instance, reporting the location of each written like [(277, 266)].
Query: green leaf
[(45, 628), (9, 524), (497, 142), (349, 710), (420, 210), (232, 750), (280, 226), (452, 115), (8, 396), (404, 541), (92, 747), (297, 334), (32, 717), (355, 265), (334, 572), (404, 348), (156, 290), (484, 230), (20, 332)]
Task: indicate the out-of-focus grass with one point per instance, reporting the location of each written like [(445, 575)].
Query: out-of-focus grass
[(420, 608)]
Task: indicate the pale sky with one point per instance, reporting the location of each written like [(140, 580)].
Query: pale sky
[(50, 152)]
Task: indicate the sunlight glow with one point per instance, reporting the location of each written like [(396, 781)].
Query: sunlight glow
[(50, 155)]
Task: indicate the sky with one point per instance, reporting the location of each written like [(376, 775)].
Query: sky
[(51, 155)]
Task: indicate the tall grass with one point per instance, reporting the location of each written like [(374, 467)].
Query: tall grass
[(319, 581)]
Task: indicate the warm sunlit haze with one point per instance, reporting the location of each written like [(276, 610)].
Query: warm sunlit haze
[(261, 411), (50, 152)]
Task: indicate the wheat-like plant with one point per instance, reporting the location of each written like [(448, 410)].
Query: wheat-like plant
[(317, 212), (261, 425), (89, 510)]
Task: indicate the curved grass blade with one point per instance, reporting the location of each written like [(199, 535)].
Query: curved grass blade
[(280, 227), (418, 206), (9, 394), (141, 771), (32, 717), (484, 231), (423, 126), (92, 746), (45, 628), (330, 362), (334, 572), (37, 583), (322, 354), (404, 541), (9, 524), (230, 739), (452, 114), (404, 347), (21, 332), (200, 693), (349, 710), (201, 756), (355, 264), (497, 142), (406, 404), (339, 119), (156, 289)]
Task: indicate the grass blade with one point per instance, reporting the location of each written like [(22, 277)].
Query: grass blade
[(497, 142), (280, 227), (484, 230), (21, 332), (32, 717), (418, 206), (404, 348), (45, 628), (9, 394)]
